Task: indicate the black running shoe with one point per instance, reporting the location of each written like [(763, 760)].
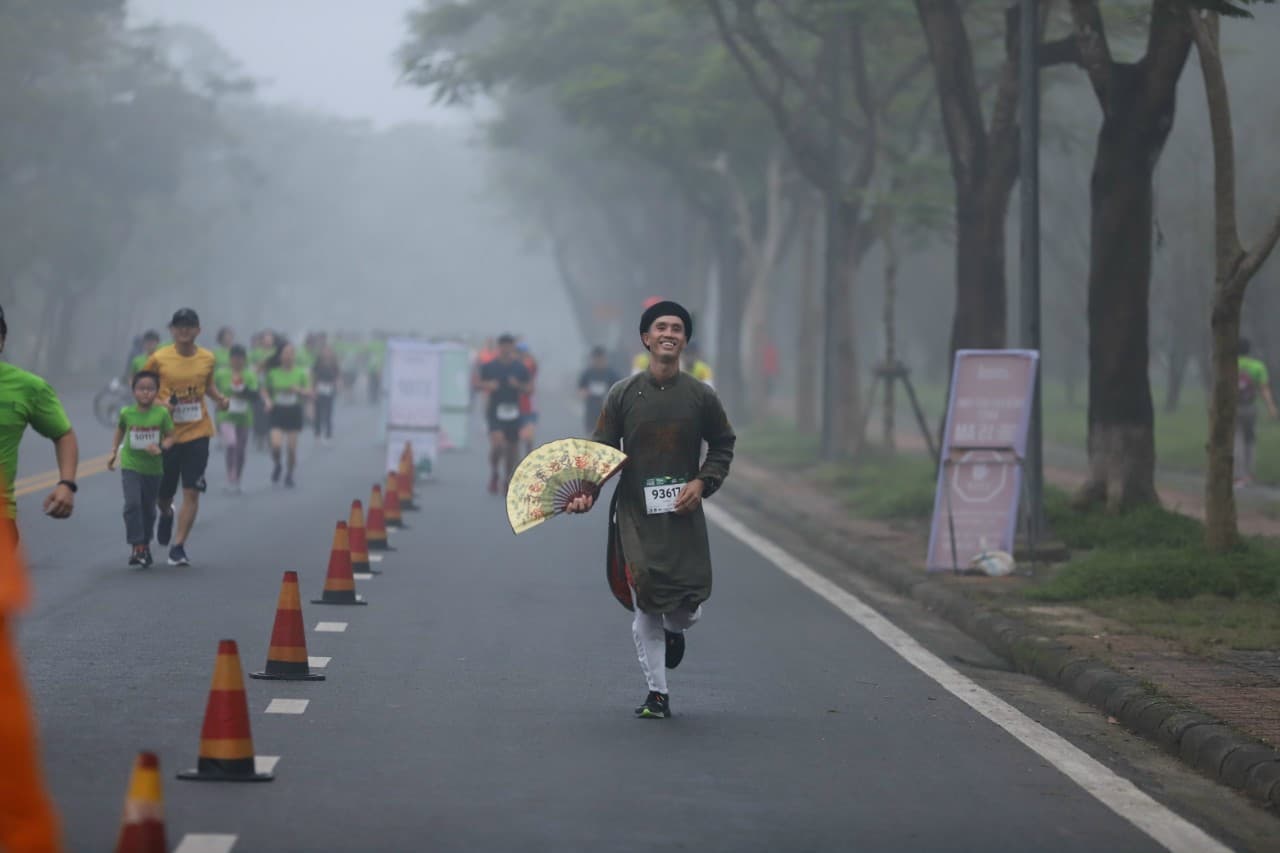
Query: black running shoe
[(178, 556), (147, 560), (137, 556), (675, 648), (275, 473), (657, 706), (164, 529)]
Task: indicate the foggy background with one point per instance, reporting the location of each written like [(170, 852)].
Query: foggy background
[(264, 163)]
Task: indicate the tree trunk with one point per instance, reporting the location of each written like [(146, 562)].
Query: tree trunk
[(809, 331), (1220, 530), (848, 405), (729, 382), (890, 327), (980, 320), (1176, 376), (1121, 418)]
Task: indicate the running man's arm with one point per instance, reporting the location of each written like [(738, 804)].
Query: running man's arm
[(1271, 402), (718, 433), (62, 501), (116, 439)]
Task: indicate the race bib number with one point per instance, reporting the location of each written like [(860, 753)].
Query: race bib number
[(597, 389), (660, 495), (141, 439), (188, 412), (286, 398), (325, 389), (507, 412), (239, 406)]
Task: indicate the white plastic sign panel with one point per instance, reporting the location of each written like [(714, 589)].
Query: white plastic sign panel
[(413, 385)]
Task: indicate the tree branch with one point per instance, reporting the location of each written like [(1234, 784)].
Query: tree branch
[(1254, 260), (1095, 53)]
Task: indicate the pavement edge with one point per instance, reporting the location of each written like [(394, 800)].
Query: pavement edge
[(1200, 740)]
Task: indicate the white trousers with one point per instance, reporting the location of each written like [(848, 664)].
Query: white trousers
[(648, 630)]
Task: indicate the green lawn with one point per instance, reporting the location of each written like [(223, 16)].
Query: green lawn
[(1180, 435)]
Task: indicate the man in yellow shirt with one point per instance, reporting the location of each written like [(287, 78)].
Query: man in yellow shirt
[(186, 378)]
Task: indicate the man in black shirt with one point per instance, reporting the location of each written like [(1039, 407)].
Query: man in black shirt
[(505, 378), (593, 385)]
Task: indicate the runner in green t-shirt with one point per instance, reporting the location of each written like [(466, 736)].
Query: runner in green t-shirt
[(1252, 382), (377, 356), (26, 399), (286, 386), (222, 352), (239, 383), (143, 432), (150, 340)]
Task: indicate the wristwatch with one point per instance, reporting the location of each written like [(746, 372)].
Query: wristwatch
[(70, 484)]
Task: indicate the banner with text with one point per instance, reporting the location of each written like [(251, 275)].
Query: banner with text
[(413, 396)]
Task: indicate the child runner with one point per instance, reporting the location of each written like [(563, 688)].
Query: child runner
[(144, 431), (287, 385), (238, 383)]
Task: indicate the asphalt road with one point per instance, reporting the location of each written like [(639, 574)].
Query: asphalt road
[(482, 701)]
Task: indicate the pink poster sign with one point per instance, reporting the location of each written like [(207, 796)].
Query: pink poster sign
[(986, 436)]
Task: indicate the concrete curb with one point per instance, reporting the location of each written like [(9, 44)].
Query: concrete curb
[(1200, 740)]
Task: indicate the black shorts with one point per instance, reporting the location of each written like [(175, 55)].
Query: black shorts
[(287, 418), (184, 463), (509, 429)]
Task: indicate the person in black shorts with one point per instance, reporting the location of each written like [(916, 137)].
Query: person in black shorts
[(505, 378), (593, 385), (285, 389)]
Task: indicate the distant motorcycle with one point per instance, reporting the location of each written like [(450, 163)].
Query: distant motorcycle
[(109, 401)]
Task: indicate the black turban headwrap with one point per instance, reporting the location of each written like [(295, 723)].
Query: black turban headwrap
[(667, 308)]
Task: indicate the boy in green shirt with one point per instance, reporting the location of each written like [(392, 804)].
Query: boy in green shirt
[(1252, 382), (145, 431)]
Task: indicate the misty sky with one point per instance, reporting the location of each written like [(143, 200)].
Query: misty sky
[(331, 55)]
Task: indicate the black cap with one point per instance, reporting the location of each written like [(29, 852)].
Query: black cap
[(185, 317), (667, 308)]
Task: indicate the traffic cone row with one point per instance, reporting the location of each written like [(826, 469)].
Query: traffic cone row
[(226, 751)]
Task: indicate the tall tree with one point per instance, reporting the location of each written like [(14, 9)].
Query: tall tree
[(1235, 266)]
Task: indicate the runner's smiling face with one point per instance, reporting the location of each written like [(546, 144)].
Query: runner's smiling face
[(184, 335), (144, 391), (666, 339)]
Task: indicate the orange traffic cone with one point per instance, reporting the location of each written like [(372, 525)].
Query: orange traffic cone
[(142, 827), (287, 655), (404, 485), (226, 744), (339, 585), (358, 541), (375, 526), (391, 507)]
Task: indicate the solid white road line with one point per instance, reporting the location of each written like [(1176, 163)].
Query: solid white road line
[(200, 843), (287, 706), (331, 627), (317, 662), (265, 763), (1120, 795)]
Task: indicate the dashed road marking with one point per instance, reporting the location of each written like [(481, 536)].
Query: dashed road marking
[(375, 558), (287, 706), (331, 627), (203, 843), (318, 662), (265, 763), (362, 576), (1167, 828)]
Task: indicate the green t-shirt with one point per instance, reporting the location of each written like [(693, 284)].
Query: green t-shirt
[(25, 399), (241, 411), (221, 356), (284, 383), (377, 354), (139, 361), (303, 357), (142, 429), (1249, 390), (257, 355)]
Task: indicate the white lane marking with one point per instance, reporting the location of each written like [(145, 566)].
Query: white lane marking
[(375, 558), (318, 662), (265, 763), (202, 843), (331, 627), (362, 576), (287, 706), (1168, 829)]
